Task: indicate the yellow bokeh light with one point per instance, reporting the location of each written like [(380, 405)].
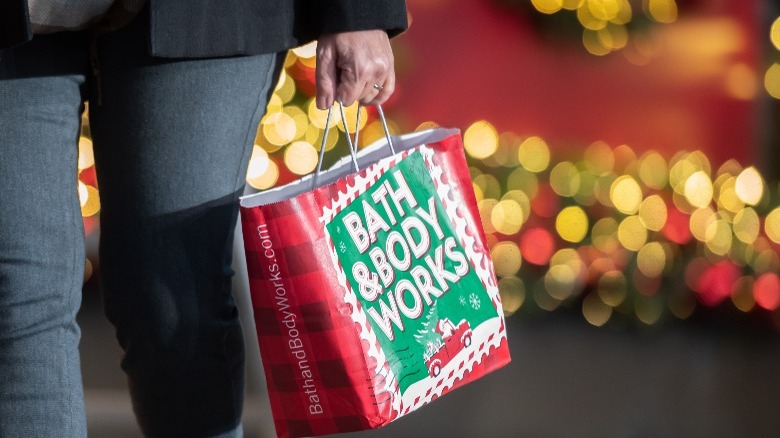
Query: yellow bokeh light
[(543, 299), (307, 50), (300, 157), (258, 163), (521, 199), (89, 199), (560, 281), (599, 158), (424, 126), (612, 288), (565, 179), (512, 290), (774, 33), (632, 234), (587, 192), (506, 258), (750, 186), (651, 259), (700, 221), (86, 155), (534, 154), (727, 196), (572, 5), (653, 170), (624, 14), (719, 237), (351, 114), (742, 294), (626, 194), (300, 118), (604, 235), (593, 42), (275, 104), (279, 128), (625, 160), (747, 225), (547, 6), (680, 171), (588, 20), (649, 309), (489, 184), (698, 189), (595, 311), (604, 9), (653, 213), (602, 188), (485, 207), (614, 36), (507, 217), (266, 179), (318, 117), (662, 11), (772, 225), (572, 224), (481, 139), (285, 88), (772, 80)]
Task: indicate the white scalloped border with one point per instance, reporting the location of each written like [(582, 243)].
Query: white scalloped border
[(384, 380)]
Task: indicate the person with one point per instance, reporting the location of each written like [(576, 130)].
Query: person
[(176, 89)]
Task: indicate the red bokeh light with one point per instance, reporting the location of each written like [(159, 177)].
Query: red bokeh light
[(766, 291), (537, 246)]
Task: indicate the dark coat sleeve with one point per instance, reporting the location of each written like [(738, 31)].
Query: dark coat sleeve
[(319, 17), (206, 28), (210, 28), (14, 23)]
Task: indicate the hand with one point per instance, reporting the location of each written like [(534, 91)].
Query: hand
[(354, 66)]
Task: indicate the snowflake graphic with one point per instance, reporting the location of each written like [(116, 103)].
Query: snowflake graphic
[(462, 300), (342, 247), (474, 301)]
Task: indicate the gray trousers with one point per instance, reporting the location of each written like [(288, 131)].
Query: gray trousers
[(172, 139)]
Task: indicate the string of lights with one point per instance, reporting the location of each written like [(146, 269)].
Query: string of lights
[(616, 233)]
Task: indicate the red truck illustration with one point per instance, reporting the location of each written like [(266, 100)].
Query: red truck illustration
[(453, 340)]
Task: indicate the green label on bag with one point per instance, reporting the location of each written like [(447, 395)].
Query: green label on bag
[(407, 267)]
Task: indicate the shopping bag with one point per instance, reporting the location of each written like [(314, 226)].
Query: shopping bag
[(373, 290)]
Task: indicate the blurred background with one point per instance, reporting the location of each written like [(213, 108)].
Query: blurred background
[(626, 159)]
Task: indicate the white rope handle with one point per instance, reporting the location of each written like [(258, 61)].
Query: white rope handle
[(353, 145)]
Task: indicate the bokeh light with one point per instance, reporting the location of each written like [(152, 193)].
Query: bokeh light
[(572, 224), (626, 195), (512, 292), (480, 140), (750, 186), (537, 245), (506, 258), (766, 291), (300, 157), (534, 154), (772, 225), (632, 234)]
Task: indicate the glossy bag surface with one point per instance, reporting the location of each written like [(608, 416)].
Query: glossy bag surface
[(373, 291)]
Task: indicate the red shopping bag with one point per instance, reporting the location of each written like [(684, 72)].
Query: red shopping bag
[(373, 290)]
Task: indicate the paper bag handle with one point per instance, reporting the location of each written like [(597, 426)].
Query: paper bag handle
[(353, 145)]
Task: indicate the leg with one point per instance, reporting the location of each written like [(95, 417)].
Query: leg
[(41, 237), (172, 141)]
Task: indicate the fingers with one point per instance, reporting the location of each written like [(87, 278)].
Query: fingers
[(350, 64), (326, 76)]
